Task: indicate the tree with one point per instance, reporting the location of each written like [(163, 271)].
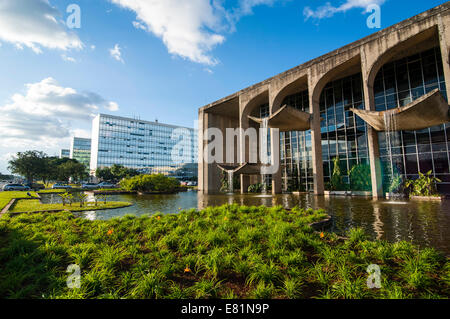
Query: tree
[(5, 176), (28, 164), (104, 174), (48, 169), (72, 169), (115, 172)]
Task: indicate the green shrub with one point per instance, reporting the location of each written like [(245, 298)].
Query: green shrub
[(255, 188), (360, 178), (396, 184), (425, 185), (337, 182), (151, 183)]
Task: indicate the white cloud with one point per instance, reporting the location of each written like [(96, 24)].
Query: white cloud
[(246, 6), (116, 53), (46, 112), (139, 25), (35, 24), (190, 29), (68, 58), (81, 133), (92, 47), (112, 106), (328, 10)]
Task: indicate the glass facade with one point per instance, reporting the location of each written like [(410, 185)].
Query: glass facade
[(295, 149), (408, 152), (80, 150), (64, 153), (344, 135), (296, 154), (150, 147)]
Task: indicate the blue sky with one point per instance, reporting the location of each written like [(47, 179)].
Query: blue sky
[(156, 59)]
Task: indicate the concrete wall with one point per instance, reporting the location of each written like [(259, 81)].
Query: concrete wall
[(367, 56)]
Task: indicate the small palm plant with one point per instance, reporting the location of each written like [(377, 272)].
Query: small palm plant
[(64, 197), (70, 198), (425, 185), (96, 199), (82, 198)]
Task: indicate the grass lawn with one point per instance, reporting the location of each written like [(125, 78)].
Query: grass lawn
[(6, 197), (219, 252), (31, 205)]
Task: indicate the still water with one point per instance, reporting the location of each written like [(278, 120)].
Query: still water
[(424, 223)]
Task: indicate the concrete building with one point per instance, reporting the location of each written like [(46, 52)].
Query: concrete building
[(64, 153), (380, 101), (80, 150), (150, 147)]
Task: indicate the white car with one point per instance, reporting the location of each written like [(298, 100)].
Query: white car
[(15, 187), (61, 186), (89, 186), (106, 185)]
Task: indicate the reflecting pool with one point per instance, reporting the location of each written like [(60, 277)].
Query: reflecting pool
[(424, 223)]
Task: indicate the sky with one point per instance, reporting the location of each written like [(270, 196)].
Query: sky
[(62, 62)]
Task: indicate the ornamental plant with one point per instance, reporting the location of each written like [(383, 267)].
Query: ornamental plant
[(337, 183), (425, 185)]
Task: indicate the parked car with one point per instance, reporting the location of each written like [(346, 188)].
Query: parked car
[(61, 186), (192, 184), (106, 185), (35, 186), (89, 186), (15, 187)]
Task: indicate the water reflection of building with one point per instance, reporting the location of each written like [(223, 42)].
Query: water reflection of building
[(150, 147), (393, 68)]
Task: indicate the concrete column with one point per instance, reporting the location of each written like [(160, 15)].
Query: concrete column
[(201, 166), (276, 158), (372, 135), (444, 40), (211, 176), (316, 138), (245, 183), (243, 147)]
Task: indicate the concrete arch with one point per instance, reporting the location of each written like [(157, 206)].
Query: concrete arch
[(297, 84), (250, 102), (414, 44), (349, 67)]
